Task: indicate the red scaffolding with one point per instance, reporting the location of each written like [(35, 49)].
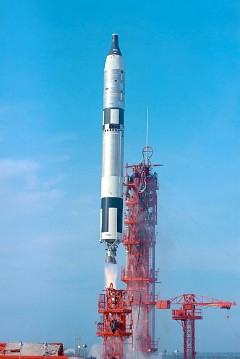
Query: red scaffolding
[(115, 325), (140, 187)]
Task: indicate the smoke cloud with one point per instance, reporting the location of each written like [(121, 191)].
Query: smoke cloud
[(96, 351)]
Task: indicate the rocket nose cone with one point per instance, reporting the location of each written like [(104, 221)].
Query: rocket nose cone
[(115, 48), (115, 39)]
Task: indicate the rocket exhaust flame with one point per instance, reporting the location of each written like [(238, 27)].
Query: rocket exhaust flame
[(110, 271)]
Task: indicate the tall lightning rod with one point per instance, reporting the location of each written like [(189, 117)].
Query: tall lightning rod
[(112, 152)]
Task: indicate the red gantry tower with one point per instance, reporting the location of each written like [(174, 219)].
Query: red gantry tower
[(115, 325), (140, 275)]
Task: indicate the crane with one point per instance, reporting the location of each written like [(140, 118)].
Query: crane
[(191, 310)]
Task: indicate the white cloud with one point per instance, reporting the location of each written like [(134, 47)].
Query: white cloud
[(24, 191), (16, 168)]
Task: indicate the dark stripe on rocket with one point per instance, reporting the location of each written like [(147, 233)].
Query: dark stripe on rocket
[(111, 202), (108, 117)]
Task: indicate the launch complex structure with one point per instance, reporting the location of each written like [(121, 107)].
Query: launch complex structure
[(127, 323), (128, 316)]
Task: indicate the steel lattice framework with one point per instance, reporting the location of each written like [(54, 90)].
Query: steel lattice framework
[(115, 325), (189, 344), (186, 316), (191, 310), (139, 239)]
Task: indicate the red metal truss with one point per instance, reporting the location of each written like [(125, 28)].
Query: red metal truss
[(140, 187), (188, 313), (116, 322)]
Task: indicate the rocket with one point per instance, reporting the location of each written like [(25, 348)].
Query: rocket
[(111, 217)]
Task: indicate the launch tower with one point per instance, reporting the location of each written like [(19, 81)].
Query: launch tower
[(140, 275)]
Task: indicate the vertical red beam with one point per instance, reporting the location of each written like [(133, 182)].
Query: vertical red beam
[(189, 338)]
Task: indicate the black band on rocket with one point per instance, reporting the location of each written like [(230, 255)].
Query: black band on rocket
[(111, 202), (113, 115)]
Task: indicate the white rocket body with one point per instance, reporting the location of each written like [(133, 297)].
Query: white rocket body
[(112, 152)]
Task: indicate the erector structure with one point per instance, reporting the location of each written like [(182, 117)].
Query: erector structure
[(115, 325), (191, 310), (140, 189)]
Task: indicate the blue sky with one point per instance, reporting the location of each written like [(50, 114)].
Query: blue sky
[(182, 62)]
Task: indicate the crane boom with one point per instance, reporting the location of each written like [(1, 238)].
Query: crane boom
[(201, 301), (188, 313)]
